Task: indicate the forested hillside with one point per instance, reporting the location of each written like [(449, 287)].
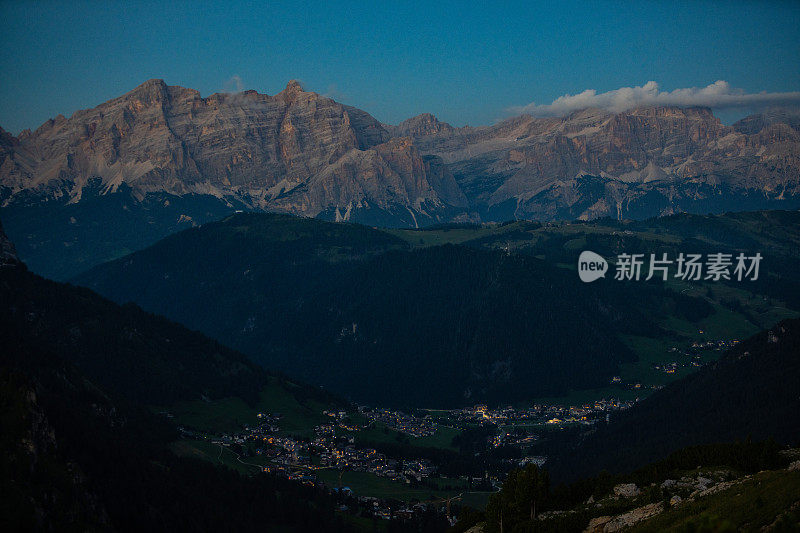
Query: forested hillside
[(752, 392), (82, 449), (362, 313), (454, 315)]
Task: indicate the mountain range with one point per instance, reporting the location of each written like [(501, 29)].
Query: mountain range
[(161, 158), (294, 152), (635, 164)]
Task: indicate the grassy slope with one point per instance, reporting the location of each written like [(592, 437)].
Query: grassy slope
[(364, 483), (748, 506), (214, 453), (229, 414), (443, 438)]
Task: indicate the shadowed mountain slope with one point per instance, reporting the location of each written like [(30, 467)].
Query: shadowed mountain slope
[(753, 391)]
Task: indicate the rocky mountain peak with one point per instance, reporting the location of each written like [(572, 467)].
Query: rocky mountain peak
[(292, 90), (298, 152), (294, 85), (420, 125), (153, 83), (293, 152), (779, 115), (149, 91), (696, 113), (588, 113), (7, 140)]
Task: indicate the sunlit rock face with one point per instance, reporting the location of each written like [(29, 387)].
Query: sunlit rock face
[(640, 163), (302, 153), (295, 152), (82, 190)]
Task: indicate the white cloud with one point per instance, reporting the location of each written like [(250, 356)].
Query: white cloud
[(233, 84), (718, 95), (334, 93)]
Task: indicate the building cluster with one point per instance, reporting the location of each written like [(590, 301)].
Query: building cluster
[(718, 345), (390, 510), (401, 422), (333, 448), (303, 460), (692, 358), (588, 413), (340, 453), (299, 459)]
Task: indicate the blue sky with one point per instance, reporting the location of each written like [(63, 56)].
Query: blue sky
[(467, 63)]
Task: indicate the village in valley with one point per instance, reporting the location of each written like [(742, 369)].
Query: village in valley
[(373, 459), (331, 453)]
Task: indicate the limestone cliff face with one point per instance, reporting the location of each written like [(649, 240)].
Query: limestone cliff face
[(424, 124), (644, 162), (299, 152), (295, 151)]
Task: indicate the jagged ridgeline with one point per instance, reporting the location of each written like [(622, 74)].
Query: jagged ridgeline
[(394, 318), (106, 181), (160, 158)]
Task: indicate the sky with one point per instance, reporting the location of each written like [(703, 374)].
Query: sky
[(467, 63)]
